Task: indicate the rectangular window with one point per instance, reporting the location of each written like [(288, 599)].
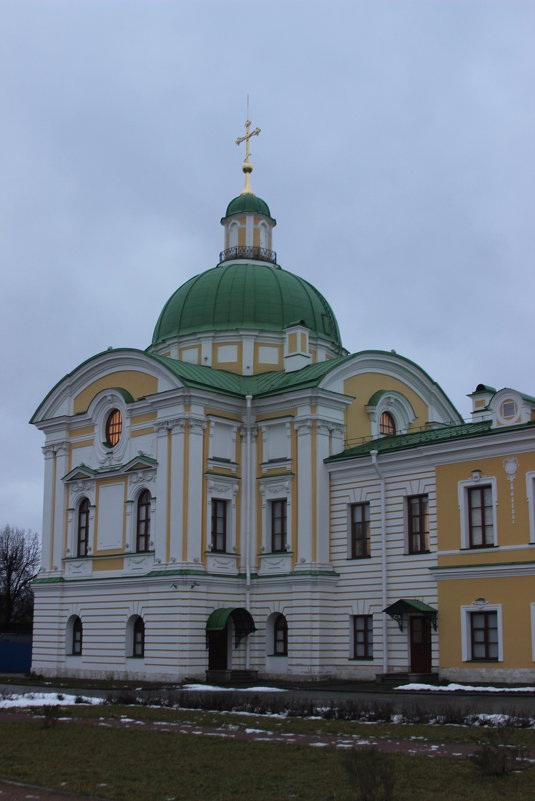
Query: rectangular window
[(363, 637), (278, 526), (360, 530), (484, 636), (219, 525), (480, 517), (418, 523)]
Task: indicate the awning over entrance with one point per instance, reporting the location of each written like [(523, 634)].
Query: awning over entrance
[(241, 618), (407, 606)]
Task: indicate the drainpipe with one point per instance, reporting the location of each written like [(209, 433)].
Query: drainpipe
[(384, 588), (249, 485)]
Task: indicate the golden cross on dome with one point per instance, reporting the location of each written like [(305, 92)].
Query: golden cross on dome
[(247, 166)]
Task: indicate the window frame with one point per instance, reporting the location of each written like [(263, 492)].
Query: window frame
[(486, 642), (280, 643), (463, 488), (144, 501), (77, 637), (466, 631), (366, 641), (113, 428), (138, 638), (387, 421), (423, 523), (282, 504), (481, 490), (216, 504), (82, 528), (364, 532)]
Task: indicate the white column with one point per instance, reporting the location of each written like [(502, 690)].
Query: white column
[(322, 494), (196, 478), (48, 506), (159, 535), (177, 490), (247, 367), (337, 439), (62, 457), (304, 492)]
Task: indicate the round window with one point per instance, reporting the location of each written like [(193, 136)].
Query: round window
[(114, 426)]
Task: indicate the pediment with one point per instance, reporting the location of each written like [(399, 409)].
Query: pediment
[(80, 473), (140, 462)]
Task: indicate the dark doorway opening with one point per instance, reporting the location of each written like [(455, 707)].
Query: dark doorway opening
[(420, 644)]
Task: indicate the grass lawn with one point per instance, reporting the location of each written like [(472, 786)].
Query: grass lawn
[(141, 765)]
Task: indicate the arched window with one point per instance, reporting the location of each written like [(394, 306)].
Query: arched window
[(280, 636), (143, 522), (114, 427), (233, 235), (83, 528), (139, 638), (263, 230), (77, 633), (387, 425)]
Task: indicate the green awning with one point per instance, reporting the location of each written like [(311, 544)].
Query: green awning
[(241, 618), (218, 619), (407, 606)]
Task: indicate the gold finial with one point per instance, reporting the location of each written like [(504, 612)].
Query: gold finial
[(247, 167)]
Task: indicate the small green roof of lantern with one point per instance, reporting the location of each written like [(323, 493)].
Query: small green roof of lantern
[(248, 203)]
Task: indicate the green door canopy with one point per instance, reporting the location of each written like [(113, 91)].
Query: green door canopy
[(241, 618), (406, 606)]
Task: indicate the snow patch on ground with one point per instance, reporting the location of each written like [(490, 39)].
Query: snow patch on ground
[(453, 688), (209, 688), (45, 699)]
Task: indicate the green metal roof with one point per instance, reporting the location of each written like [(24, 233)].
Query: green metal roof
[(409, 605), (427, 437), (276, 381), (245, 296), (248, 203), (208, 378), (376, 397)]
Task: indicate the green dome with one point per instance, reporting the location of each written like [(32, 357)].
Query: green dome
[(245, 296), (248, 203)]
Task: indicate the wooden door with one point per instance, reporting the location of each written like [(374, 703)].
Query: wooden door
[(420, 635), (217, 649)]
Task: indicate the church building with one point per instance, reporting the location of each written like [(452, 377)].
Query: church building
[(246, 497)]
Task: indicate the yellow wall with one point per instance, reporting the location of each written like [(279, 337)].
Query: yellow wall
[(515, 596), (261, 367), (196, 348), (233, 367), (292, 342), (362, 387), (82, 432), (136, 383), (108, 564), (448, 515)]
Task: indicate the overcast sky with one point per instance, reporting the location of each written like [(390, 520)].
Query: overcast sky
[(396, 153)]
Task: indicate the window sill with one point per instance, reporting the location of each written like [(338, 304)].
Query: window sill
[(478, 547), (418, 553), (278, 656), (485, 661), (360, 659), (359, 558)]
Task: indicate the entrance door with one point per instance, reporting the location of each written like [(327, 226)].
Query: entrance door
[(420, 628), (217, 649)]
